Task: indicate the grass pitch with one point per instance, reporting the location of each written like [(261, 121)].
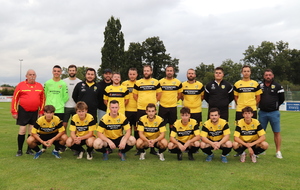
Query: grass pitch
[(47, 172)]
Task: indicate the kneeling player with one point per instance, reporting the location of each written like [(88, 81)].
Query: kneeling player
[(82, 127), (215, 135), (47, 130), (151, 132), (185, 135), (110, 132), (250, 135)]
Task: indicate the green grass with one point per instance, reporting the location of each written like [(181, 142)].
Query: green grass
[(47, 172)]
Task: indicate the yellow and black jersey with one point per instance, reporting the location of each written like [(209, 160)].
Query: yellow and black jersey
[(132, 105), (192, 94), (83, 127), (246, 92), (151, 129), (113, 128), (42, 126), (170, 90), (146, 89), (184, 133), (214, 132), (249, 132), (119, 93)]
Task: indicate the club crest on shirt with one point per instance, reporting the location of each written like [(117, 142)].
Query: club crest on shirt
[(59, 86), (95, 88), (53, 124), (152, 82), (219, 126), (223, 86), (251, 84), (213, 86), (196, 86), (272, 86), (252, 126), (120, 89), (174, 83), (118, 120), (155, 123)]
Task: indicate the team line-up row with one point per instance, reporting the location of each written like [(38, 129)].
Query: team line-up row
[(133, 96)]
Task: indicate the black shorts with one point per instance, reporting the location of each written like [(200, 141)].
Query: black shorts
[(69, 112), (168, 114), (140, 113), (131, 117), (239, 115), (197, 117), (46, 137), (60, 115), (117, 141), (26, 117)]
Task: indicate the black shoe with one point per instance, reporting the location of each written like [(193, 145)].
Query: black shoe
[(30, 152), (191, 157), (19, 153), (179, 156), (237, 154), (137, 153), (152, 151), (62, 149), (76, 153)]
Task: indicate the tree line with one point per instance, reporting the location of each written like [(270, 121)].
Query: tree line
[(284, 62)]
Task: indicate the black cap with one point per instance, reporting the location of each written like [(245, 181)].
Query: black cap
[(107, 71)]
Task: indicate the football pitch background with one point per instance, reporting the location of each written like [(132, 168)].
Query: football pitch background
[(47, 172)]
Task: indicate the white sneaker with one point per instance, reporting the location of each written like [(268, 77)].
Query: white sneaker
[(243, 157), (142, 155), (279, 155), (89, 156), (161, 156), (80, 155), (253, 158)]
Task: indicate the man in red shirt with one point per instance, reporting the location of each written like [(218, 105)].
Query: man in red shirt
[(27, 104)]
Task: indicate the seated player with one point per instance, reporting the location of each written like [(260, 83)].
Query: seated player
[(151, 132), (47, 130), (215, 135), (82, 128), (185, 135), (110, 132), (250, 135)]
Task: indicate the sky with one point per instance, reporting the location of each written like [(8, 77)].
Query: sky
[(54, 32)]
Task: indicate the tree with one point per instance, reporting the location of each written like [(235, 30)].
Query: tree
[(80, 73), (268, 55), (113, 48), (133, 58), (232, 71), (205, 73), (155, 55), (295, 66)]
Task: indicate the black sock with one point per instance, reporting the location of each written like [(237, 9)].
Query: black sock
[(225, 151), (194, 149), (240, 150), (21, 139), (207, 150), (89, 149), (36, 149), (136, 135), (258, 150), (161, 150), (141, 150)]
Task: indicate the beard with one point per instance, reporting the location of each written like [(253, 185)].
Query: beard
[(72, 75), (191, 78), (147, 76)]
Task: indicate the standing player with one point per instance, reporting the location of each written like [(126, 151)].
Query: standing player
[(171, 93), (271, 98), (219, 93), (110, 132), (185, 135), (88, 92), (71, 82), (152, 133), (192, 95), (146, 90), (131, 107), (82, 128), (102, 85), (118, 92), (56, 92), (27, 104), (246, 93), (250, 135), (215, 135), (47, 130)]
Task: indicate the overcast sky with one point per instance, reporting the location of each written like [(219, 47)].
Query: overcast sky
[(49, 32)]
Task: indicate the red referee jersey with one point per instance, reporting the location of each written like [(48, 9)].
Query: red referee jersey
[(30, 96)]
